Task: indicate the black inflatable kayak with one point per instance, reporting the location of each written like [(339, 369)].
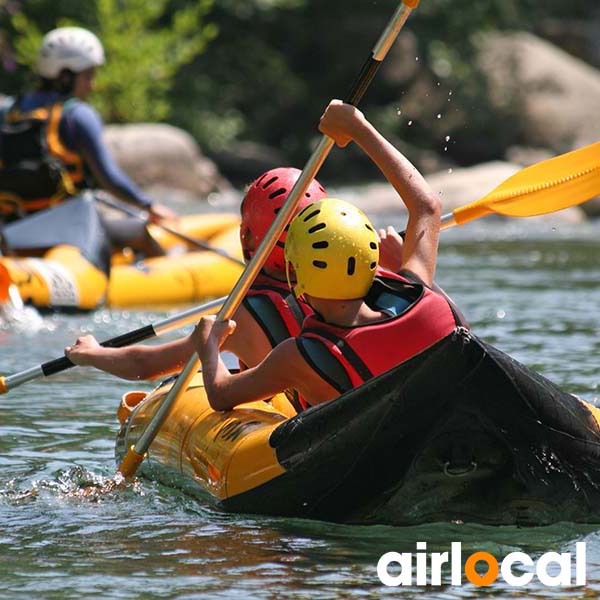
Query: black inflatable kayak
[(460, 432)]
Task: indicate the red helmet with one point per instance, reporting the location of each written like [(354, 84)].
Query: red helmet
[(261, 204)]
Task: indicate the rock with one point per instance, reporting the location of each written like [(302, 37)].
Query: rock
[(551, 96), (162, 155), (592, 208), (246, 160), (525, 157)]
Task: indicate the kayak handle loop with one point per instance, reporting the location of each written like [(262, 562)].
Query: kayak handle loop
[(451, 471)]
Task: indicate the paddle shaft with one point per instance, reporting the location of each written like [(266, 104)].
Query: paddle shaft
[(112, 203), (136, 454), (133, 337)]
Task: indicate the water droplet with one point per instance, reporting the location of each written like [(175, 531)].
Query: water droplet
[(447, 138), (417, 58), (439, 115), (450, 171), (450, 93), (410, 123), (500, 314), (398, 112)]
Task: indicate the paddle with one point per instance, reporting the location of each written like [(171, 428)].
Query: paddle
[(554, 184), (560, 182), (135, 454), (124, 208), (133, 337), (546, 187)]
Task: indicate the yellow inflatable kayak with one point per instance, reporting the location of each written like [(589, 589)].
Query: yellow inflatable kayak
[(485, 440), (63, 279)]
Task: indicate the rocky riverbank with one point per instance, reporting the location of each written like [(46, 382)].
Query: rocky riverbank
[(536, 88)]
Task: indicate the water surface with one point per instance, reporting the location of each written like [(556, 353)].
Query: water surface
[(534, 293)]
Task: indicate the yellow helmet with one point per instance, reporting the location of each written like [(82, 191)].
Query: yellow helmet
[(333, 250)]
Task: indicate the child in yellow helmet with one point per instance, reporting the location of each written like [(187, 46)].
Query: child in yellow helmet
[(334, 252)]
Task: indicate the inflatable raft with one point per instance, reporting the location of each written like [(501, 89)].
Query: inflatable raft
[(459, 432), (64, 278)]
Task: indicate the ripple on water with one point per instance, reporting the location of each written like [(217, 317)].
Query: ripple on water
[(537, 299)]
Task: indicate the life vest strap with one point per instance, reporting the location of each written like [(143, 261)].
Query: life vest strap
[(320, 359), (263, 311)]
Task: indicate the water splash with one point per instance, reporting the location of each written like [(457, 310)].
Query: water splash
[(76, 483), (15, 316)]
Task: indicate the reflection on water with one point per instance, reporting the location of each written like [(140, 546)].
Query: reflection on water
[(537, 299)]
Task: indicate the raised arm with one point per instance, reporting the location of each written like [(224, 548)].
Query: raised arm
[(345, 123)]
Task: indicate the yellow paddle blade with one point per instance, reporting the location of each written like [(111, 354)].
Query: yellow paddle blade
[(551, 185)]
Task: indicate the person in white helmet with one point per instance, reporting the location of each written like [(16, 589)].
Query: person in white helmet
[(51, 144)]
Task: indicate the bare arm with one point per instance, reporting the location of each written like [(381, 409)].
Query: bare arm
[(283, 368), (345, 123), (132, 362)]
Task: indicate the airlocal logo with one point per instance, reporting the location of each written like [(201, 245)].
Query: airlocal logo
[(559, 575)]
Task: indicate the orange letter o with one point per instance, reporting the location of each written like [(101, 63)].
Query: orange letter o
[(473, 576)]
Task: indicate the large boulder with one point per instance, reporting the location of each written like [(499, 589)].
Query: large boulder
[(551, 96), (164, 156)]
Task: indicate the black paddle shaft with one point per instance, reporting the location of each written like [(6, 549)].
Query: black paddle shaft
[(133, 337), (366, 75)]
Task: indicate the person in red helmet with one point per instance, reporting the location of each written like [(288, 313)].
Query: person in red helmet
[(268, 315)]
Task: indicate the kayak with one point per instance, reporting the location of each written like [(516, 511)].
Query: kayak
[(63, 278), (486, 440)]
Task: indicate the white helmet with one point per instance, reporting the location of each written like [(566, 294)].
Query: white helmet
[(70, 48)]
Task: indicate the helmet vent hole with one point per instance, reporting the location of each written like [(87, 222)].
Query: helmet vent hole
[(287, 227), (351, 265), (368, 227), (319, 245), (261, 180), (307, 195), (316, 228), (278, 192), (313, 214), (320, 264), (270, 182), (344, 214), (373, 266), (373, 246), (276, 210)]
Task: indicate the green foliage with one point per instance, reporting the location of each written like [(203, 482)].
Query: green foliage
[(145, 47), (274, 64)]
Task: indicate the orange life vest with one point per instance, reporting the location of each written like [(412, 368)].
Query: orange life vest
[(36, 169)]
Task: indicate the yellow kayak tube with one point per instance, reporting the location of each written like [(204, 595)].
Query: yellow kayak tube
[(62, 278)]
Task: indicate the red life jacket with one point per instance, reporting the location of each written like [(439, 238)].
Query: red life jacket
[(345, 357), (280, 316)]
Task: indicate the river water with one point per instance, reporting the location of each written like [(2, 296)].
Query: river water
[(533, 291)]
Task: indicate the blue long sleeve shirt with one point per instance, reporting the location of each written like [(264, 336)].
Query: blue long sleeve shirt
[(80, 130)]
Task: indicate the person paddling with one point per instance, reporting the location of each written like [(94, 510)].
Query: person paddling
[(268, 315), (51, 144), (365, 321)]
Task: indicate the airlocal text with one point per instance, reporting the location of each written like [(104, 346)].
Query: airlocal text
[(552, 569)]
